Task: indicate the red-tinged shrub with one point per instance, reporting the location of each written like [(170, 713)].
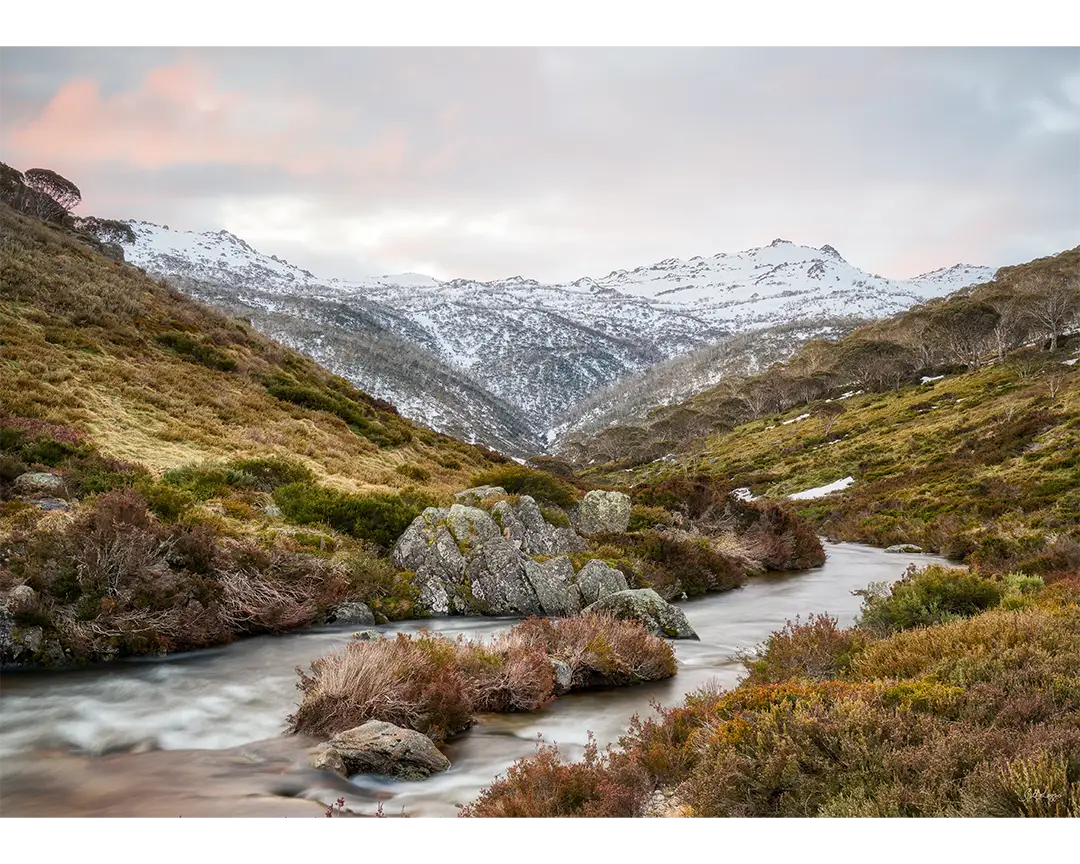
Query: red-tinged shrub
[(435, 685), (817, 648), (544, 786), (777, 538)]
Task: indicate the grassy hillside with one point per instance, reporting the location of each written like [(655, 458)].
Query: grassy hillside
[(977, 460), (153, 377), (186, 452)]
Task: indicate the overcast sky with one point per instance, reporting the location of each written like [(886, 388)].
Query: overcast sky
[(559, 163)]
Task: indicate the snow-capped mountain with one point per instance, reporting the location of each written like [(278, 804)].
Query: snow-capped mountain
[(515, 355)]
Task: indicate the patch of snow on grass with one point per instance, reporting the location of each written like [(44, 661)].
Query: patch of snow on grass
[(822, 491), (796, 419), (927, 379)]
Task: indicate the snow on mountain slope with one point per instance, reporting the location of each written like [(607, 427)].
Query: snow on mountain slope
[(537, 349)]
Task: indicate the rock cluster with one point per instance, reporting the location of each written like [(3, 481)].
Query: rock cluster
[(509, 561)]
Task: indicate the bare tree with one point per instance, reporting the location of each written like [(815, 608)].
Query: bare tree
[(1054, 306), (828, 414)]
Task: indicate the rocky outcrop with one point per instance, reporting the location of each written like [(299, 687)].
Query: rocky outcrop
[(467, 560), (657, 615), (40, 484), (352, 613), (383, 748), (603, 513)]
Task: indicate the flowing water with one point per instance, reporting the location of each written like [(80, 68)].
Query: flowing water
[(199, 734)]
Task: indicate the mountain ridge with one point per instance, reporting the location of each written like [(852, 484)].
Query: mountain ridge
[(528, 353)]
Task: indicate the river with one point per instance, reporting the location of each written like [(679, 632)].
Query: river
[(199, 734)]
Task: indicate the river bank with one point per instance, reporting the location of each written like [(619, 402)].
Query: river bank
[(119, 739)]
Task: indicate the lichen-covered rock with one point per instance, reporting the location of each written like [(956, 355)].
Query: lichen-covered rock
[(21, 599), (567, 540), (383, 748), (657, 615), (495, 572), (478, 494), (563, 675), (40, 484), (352, 613), (411, 549), (597, 580), (50, 505), (326, 758), (471, 526), (603, 512), (904, 548), (553, 583), (368, 636), (468, 561)]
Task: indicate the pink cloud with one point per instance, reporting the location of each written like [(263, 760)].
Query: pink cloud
[(179, 115)]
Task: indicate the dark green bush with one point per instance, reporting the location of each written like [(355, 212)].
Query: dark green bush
[(198, 352), (387, 430), (933, 595), (377, 518), (268, 473), (414, 472), (520, 480)]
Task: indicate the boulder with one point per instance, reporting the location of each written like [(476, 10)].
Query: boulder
[(603, 513), (479, 493), (326, 758), (495, 572), (471, 526), (368, 636), (49, 505), (553, 583), (383, 748), (40, 484), (597, 580), (352, 613), (411, 549), (904, 548), (21, 599), (657, 615)]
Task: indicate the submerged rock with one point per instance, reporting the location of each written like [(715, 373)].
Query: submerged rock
[(383, 748), (657, 615), (603, 513)]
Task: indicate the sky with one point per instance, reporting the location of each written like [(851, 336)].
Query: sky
[(554, 164)]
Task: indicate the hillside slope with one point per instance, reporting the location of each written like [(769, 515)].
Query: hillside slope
[(887, 438), (171, 479), (528, 354)]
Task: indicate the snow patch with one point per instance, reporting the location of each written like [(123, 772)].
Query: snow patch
[(822, 491)]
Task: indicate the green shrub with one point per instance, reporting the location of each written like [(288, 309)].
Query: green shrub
[(414, 472), (933, 595), (268, 473), (169, 503), (520, 480), (645, 518), (377, 518), (206, 481), (555, 515), (198, 352), (387, 430)]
